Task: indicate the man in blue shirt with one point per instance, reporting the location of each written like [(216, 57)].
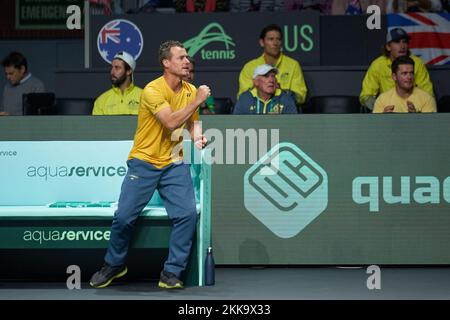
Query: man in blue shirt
[(265, 97)]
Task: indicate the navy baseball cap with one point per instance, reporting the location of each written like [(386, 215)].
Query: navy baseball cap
[(397, 34)]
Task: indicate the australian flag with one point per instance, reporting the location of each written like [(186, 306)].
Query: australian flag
[(354, 7), (119, 35), (429, 32)]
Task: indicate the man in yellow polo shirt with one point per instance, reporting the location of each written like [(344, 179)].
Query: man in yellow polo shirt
[(378, 78), (123, 98), (405, 96), (168, 104), (290, 75)]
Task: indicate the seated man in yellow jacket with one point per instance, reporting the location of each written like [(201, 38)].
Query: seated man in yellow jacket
[(378, 78), (124, 97), (405, 96), (290, 75)]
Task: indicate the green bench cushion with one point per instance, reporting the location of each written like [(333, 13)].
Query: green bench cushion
[(19, 212)]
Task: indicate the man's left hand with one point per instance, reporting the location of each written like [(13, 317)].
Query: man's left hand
[(411, 107), (200, 141)]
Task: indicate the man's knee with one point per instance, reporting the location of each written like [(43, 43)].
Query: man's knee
[(189, 217), (123, 222)]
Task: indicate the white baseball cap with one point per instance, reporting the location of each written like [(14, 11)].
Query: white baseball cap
[(126, 57), (263, 69)]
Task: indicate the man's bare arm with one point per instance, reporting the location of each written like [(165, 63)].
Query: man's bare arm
[(175, 119), (196, 132)]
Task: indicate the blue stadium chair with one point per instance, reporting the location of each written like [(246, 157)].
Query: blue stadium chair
[(223, 105), (443, 104), (74, 106), (333, 104), (38, 103)]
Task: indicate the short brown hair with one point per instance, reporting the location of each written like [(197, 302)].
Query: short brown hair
[(15, 59), (271, 27), (164, 49), (399, 61)]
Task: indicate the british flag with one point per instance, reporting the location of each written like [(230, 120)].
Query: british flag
[(429, 32)]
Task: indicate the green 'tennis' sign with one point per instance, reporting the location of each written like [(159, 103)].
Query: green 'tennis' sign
[(44, 14), (213, 32)]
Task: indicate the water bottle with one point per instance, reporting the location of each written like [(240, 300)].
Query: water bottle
[(209, 268)]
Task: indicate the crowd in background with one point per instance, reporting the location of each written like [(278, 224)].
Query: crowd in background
[(271, 82), (324, 7)]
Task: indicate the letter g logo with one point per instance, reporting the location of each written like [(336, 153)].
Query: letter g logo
[(285, 190)]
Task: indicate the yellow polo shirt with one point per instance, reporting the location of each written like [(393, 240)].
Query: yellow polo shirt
[(290, 76), (113, 102), (378, 78), (153, 142), (421, 99)]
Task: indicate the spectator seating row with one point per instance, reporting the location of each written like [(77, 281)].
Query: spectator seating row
[(326, 104), (47, 104)]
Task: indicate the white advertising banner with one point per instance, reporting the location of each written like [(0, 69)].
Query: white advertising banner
[(41, 172)]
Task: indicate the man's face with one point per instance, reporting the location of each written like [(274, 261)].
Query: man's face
[(404, 77), (118, 72), (191, 74), (271, 43), (178, 63), (15, 75), (267, 83), (397, 48)]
